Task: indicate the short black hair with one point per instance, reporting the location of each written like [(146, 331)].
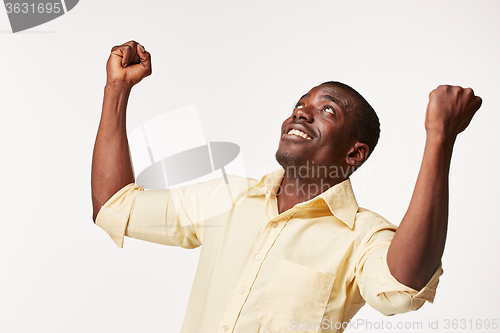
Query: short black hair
[(366, 125)]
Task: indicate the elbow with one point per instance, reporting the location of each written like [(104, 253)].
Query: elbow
[(410, 272), (413, 277)]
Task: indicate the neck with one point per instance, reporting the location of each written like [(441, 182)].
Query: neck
[(303, 183)]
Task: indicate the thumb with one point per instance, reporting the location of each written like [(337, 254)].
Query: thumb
[(116, 58)]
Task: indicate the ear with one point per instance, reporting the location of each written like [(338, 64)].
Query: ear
[(358, 154)]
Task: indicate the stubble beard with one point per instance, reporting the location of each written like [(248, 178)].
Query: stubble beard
[(286, 160), (292, 162)]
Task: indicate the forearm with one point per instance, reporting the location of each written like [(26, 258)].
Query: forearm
[(111, 164), (416, 250)]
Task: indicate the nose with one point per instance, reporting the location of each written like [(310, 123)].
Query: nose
[(304, 112)]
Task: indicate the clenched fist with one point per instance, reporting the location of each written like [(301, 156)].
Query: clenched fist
[(128, 64), (450, 110)]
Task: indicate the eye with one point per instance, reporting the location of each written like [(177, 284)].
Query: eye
[(299, 106), (329, 109)]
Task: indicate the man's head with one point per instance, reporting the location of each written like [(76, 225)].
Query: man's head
[(341, 130)]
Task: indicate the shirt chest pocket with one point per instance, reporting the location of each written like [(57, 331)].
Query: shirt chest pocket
[(295, 299)]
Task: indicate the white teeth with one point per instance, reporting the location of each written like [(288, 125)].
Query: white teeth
[(299, 133)]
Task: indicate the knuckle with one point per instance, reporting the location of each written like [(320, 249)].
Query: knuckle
[(455, 90), (443, 89)]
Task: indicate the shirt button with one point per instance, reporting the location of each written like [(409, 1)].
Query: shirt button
[(242, 290), (257, 257), (274, 225), (225, 328)]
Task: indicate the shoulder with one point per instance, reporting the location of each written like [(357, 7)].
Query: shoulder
[(368, 223)]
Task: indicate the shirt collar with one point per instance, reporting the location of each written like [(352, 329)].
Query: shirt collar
[(340, 198)]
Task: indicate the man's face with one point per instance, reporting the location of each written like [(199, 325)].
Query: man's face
[(318, 131)]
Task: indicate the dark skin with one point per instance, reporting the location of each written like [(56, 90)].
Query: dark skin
[(323, 115), (127, 65), (416, 250)]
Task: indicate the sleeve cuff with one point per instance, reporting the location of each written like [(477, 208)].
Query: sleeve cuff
[(387, 284), (428, 292), (114, 215)]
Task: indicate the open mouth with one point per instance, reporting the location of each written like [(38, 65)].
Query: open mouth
[(299, 134)]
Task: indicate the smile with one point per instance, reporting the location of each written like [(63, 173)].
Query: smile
[(299, 133)]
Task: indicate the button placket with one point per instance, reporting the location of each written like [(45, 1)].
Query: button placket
[(251, 271)]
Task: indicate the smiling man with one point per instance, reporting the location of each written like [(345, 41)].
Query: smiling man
[(292, 252), (330, 133)]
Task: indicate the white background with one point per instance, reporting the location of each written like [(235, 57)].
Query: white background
[(244, 64)]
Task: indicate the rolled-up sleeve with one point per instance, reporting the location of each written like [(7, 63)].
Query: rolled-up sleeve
[(174, 217), (114, 215), (158, 216), (167, 217), (380, 289)]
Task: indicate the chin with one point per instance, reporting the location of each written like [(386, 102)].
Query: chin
[(286, 159)]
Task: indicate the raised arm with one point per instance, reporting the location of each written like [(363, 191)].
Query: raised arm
[(127, 65), (416, 250)]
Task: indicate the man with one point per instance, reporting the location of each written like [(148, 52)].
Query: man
[(292, 252)]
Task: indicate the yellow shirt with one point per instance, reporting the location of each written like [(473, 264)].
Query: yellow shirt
[(309, 269)]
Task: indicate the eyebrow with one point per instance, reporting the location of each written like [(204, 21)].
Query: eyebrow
[(329, 97)]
